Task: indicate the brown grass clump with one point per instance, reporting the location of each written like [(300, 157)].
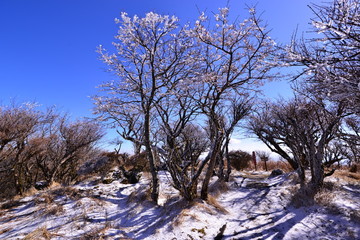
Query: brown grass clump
[(70, 192), (54, 210), (31, 191), (44, 198), (272, 165), (39, 234), (213, 202), (5, 230), (324, 197), (301, 196), (354, 168), (347, 176)]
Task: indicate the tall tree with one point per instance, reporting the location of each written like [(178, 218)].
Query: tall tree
[(151, 58), (234, 58)]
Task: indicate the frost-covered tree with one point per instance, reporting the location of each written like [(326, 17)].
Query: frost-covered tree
[(234, 58), (300, 130), (332, 61), (151, 57)]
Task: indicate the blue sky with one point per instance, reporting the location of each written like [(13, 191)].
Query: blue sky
[(48, 47)]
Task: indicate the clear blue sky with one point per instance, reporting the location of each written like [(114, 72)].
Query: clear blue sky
[(48, 47)]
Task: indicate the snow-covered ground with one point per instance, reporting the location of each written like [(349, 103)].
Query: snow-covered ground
[(251, 206)]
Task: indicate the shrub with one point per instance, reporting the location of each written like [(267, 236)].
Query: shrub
[(239, 159)]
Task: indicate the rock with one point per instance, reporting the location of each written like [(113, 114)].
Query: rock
[(276, 172)]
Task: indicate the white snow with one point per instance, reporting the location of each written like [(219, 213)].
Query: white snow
[(252, 206)]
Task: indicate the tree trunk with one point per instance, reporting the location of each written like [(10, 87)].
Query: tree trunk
[(220, 173), (153, 169), (214, 153), (317, 178), (137, 148), (228, 163)]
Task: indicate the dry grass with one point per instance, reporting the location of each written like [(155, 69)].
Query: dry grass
[(352, 178), (185, 214), (254, 175), (54, 210), (271, 165), (30, 192), (46, 198), (213, 202), (301, 197), (70, 192), (39, 234), (324, 197)]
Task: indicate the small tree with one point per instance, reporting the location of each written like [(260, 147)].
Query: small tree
[(300, 131), (18, 124), (64, 146)]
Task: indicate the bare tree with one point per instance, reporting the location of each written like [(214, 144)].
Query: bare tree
[(350, 139), (65, 145), (18, 123), (36, 145), (300, 131)]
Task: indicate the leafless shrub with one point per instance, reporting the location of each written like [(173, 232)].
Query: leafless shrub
[(38, 145)]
